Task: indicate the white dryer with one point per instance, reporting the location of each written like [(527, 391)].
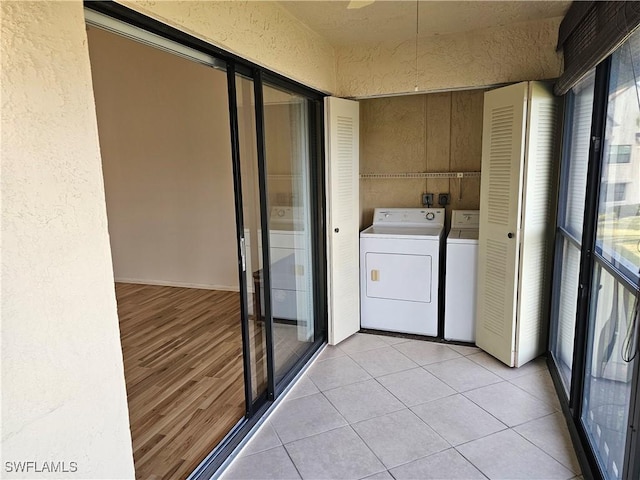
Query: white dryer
[(399, 268), (460, 276)]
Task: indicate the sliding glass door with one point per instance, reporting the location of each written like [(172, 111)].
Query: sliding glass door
[(275, 183), (288, 184), (258, 143), (612, 341), (595, 335), (251, 237)]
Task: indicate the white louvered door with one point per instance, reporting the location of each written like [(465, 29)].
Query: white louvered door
[(503, 143), (342, 118), (538, 219)]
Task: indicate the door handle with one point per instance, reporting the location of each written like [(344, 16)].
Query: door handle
[(510, 234), (243, 253), (337, 230), (375, 275)]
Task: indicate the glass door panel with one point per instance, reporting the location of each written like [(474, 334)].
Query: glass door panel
[(613, 324), (611, 354), (252, 233), (566, 311), (618, 230), (575, 182), (571, 216), (287, 159)]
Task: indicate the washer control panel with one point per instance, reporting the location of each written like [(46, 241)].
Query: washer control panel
[(409, 216), (465, 219)]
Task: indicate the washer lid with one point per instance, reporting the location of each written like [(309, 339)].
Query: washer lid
[(463, 235), (412, 232)]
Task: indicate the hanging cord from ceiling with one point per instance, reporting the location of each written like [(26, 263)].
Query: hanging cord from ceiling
[(415, 87), (630, 343)]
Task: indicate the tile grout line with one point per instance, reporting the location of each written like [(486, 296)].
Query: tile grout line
[(377, 378), (292, 461), (508, 426), (396, 411), (570, 468), (484, 409), (370, 449), (390, 373), (534, 396), (470, 462), (545, 453), (350, 424)]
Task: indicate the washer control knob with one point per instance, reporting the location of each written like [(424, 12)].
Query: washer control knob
[(430, 216)]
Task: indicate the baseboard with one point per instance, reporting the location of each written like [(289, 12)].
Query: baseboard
[(162, 283)]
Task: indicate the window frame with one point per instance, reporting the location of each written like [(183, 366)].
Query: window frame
[(591, 258)]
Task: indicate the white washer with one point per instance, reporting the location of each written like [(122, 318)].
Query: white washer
[(399, 265), (460, 283), (290, 281)]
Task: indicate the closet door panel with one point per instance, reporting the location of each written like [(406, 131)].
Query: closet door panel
[(538, 220), (500, 199), (343, 248)]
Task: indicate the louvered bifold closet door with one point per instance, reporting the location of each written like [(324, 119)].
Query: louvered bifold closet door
[(538, 220), (500, 199), (342, 120)]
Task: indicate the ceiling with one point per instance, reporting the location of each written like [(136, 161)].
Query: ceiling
[(395, 20)]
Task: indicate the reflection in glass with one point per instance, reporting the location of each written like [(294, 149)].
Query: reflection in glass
[(578, 155), (618, 230), (252, 231), (573, 196), (286, 123), (611, 354), (566, 316)]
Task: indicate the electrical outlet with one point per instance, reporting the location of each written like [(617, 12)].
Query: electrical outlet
[(427, 199), (443, 199)]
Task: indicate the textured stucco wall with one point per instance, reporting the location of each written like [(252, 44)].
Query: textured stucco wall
[(437, 132), (524, 51), (63, 390), (262, 32)]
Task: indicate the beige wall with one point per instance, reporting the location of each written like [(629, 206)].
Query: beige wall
[(267, 34), (439, 132), (163, 123), (525, 51), (63, 390), (63, 394), (263, 32)]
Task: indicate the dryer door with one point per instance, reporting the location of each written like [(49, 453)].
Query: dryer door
[(396, 276)]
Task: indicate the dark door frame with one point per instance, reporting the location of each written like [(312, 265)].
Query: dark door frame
[(254, 410), (573, 400)]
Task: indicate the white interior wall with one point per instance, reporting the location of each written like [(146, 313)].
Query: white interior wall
[(163, 123), (63, 388)]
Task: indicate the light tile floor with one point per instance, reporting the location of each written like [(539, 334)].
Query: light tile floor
[(380, 407)]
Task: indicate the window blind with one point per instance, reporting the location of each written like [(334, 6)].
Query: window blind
[(589, 33)]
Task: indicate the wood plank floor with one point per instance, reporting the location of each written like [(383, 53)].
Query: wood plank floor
[(183, 368)]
